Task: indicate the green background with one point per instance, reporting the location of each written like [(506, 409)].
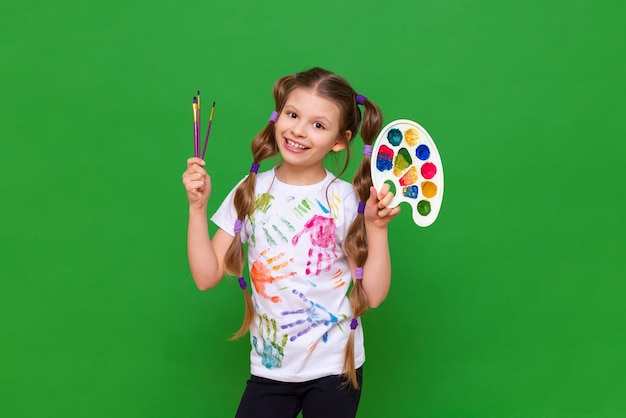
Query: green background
[(510, 305)]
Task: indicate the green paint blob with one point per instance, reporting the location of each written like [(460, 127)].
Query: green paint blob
[(402, 162), (423, 207)]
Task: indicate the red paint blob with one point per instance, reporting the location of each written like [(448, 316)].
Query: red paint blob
[(429, 170)]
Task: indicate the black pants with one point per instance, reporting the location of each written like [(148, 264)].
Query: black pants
[(327, 397)]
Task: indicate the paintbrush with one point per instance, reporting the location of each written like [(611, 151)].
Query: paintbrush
[(196, 128), (208, 130)]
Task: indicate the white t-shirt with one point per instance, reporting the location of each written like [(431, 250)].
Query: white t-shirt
[(300, 276)]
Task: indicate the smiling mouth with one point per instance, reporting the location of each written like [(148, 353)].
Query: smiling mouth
[(295, 145)]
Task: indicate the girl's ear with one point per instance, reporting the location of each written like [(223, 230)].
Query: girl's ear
[(342, 143)]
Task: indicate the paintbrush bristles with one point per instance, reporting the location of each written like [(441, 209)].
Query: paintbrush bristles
[(212, 110)]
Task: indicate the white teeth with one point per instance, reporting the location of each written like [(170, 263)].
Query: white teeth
[(295, 145)]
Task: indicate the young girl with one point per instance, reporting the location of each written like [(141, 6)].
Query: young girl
[(308, 237)]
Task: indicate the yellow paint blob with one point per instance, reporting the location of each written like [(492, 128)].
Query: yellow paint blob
[(429, 189), (411, 136)]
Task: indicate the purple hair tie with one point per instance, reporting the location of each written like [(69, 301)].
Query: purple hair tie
[(273, 117), (297, 75), (353, 324), (255, 168), (361, 209), (358, 273), (242, 283), (360, 99), (367, 150), (238, 225)]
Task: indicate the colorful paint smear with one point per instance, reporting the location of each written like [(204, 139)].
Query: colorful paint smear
[(384, 159), (423, 207), (394, 136), (411, 136), (422, 152), (402, 161), (411, 192), (429, 170), (429, 189), (410, 177)]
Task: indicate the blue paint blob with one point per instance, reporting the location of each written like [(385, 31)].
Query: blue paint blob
[(422, 152), (384, 158), (411, 192), (384, 163), (394, 136)]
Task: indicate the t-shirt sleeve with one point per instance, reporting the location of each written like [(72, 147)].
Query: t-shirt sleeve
[(225, 216)]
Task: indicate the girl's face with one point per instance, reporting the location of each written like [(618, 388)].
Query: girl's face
[(307, 129)]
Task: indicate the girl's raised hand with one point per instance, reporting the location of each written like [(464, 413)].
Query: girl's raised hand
[(376, 210), (197, 183)]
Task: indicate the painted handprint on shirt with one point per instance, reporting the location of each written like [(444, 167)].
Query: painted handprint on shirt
[(313, 315), (273, 229), (322, 232), (261, 273), (272, 352)]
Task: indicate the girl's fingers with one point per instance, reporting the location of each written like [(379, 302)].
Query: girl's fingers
[(195, 160), (383, 197), (197, 182), (385, 200), (383, 190), (381, 200), (389, 212), (194, 186), (194, 172)]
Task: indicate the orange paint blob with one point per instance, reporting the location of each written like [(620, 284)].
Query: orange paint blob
[(429, 189), (410, 177)]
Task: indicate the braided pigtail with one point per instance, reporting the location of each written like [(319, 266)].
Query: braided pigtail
[(263, 147), (355, 244), (244, 202)]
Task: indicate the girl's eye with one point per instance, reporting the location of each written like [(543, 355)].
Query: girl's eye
[(318, 125), (292, 115)]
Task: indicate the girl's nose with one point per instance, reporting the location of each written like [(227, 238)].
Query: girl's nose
[(299, 129)]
